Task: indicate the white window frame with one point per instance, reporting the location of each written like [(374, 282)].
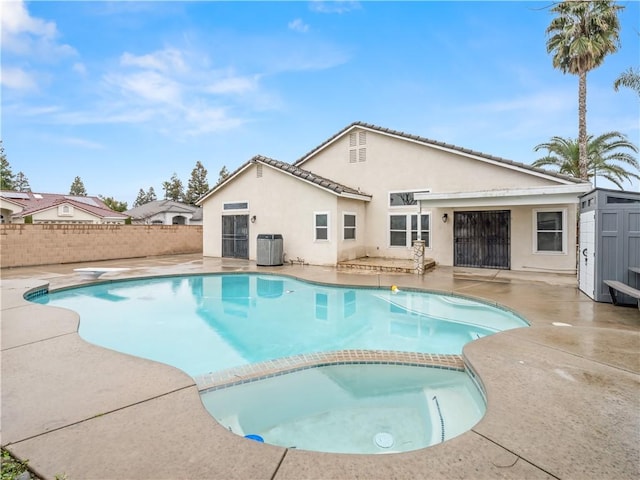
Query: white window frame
[(225, 209), (65, 210), (344, 226), (408, 230), (413, 190), (535, 231), (316, 226)]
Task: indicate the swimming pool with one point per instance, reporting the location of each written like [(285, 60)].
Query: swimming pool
[(202, 324), (221, 322)]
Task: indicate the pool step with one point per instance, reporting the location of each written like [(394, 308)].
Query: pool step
[(381, 264)]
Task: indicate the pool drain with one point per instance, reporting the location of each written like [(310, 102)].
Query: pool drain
[(383, 440)]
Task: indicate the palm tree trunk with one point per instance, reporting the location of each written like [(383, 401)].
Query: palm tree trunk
[(582, 125)]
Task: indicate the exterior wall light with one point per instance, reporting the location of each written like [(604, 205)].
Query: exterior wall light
[(445, 217), (253, 219)]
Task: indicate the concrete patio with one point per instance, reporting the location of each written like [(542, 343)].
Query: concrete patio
[(563, 401)]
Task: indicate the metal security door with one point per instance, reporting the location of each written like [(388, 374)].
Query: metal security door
[(235, 236), (482, 239)]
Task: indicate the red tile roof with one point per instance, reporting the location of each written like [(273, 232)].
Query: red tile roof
[(32, 202)]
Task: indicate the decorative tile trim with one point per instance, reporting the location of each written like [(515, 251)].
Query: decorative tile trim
[(36, 292), (282, 366)]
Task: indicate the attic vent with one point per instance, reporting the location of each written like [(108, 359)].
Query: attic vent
[(259, 171), (357, 149)]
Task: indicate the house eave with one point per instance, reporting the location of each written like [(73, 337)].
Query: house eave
[(561, 194)]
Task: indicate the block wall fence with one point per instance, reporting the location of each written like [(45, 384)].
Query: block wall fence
[(24, 245)]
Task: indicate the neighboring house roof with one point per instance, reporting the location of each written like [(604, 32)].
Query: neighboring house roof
[(157, 207), (436, 144), (297, 172), (32, 203)]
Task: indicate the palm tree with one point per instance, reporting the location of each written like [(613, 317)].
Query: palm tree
[(580, 37), (603, 154), (629, 79)]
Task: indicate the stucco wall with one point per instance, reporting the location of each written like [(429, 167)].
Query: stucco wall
[(281, 205), (24, 245)]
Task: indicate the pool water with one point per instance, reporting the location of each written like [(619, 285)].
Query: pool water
[(203, 324), (352, 408), (209, 323)]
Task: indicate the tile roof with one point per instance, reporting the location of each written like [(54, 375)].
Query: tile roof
[(297, 172), (159, 206), (309, 176), (33, 202), (428, 141)]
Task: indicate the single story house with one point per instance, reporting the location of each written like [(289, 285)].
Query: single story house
[(371, 191), (28, 207), (165, 212)]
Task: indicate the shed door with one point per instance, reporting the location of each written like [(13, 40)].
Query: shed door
[(481, 239), (235, 236)]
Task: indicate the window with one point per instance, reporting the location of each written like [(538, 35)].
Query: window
[(407, 228), (321, 226), (235, 206), (65, 211), (402, 199), (550, 235), (349, 221)]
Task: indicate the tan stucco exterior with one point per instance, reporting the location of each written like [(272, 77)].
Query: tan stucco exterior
[(283, 205), (391, 163)]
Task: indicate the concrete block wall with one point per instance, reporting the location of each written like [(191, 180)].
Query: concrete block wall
[(28, 245)]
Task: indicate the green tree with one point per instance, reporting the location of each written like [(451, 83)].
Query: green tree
[(224, 173), (21, 183), (173, 189), (77, 188), (607, 157), (145, 197), (580, 37), (151, 195), (6, 175), (198, 184), (114, 204), (140, 199), (629, 79)]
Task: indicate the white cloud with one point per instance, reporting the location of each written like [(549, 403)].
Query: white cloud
[(233, 85), (146, 86), (23, 34), (337, 6), (79, 142), (298, 25), (17, 79), (167, 60)]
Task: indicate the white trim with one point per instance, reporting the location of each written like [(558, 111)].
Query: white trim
[(411, 190), (246, 209), (408, 242), (534, 219), (511, 196), (328, 227), (355, 227)]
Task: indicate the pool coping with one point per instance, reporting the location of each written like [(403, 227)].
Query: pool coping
[(282, 366)]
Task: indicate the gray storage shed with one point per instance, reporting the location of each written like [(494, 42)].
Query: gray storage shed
[(609, 242)]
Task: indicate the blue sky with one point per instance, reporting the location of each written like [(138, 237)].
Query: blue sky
[(124, 94)]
